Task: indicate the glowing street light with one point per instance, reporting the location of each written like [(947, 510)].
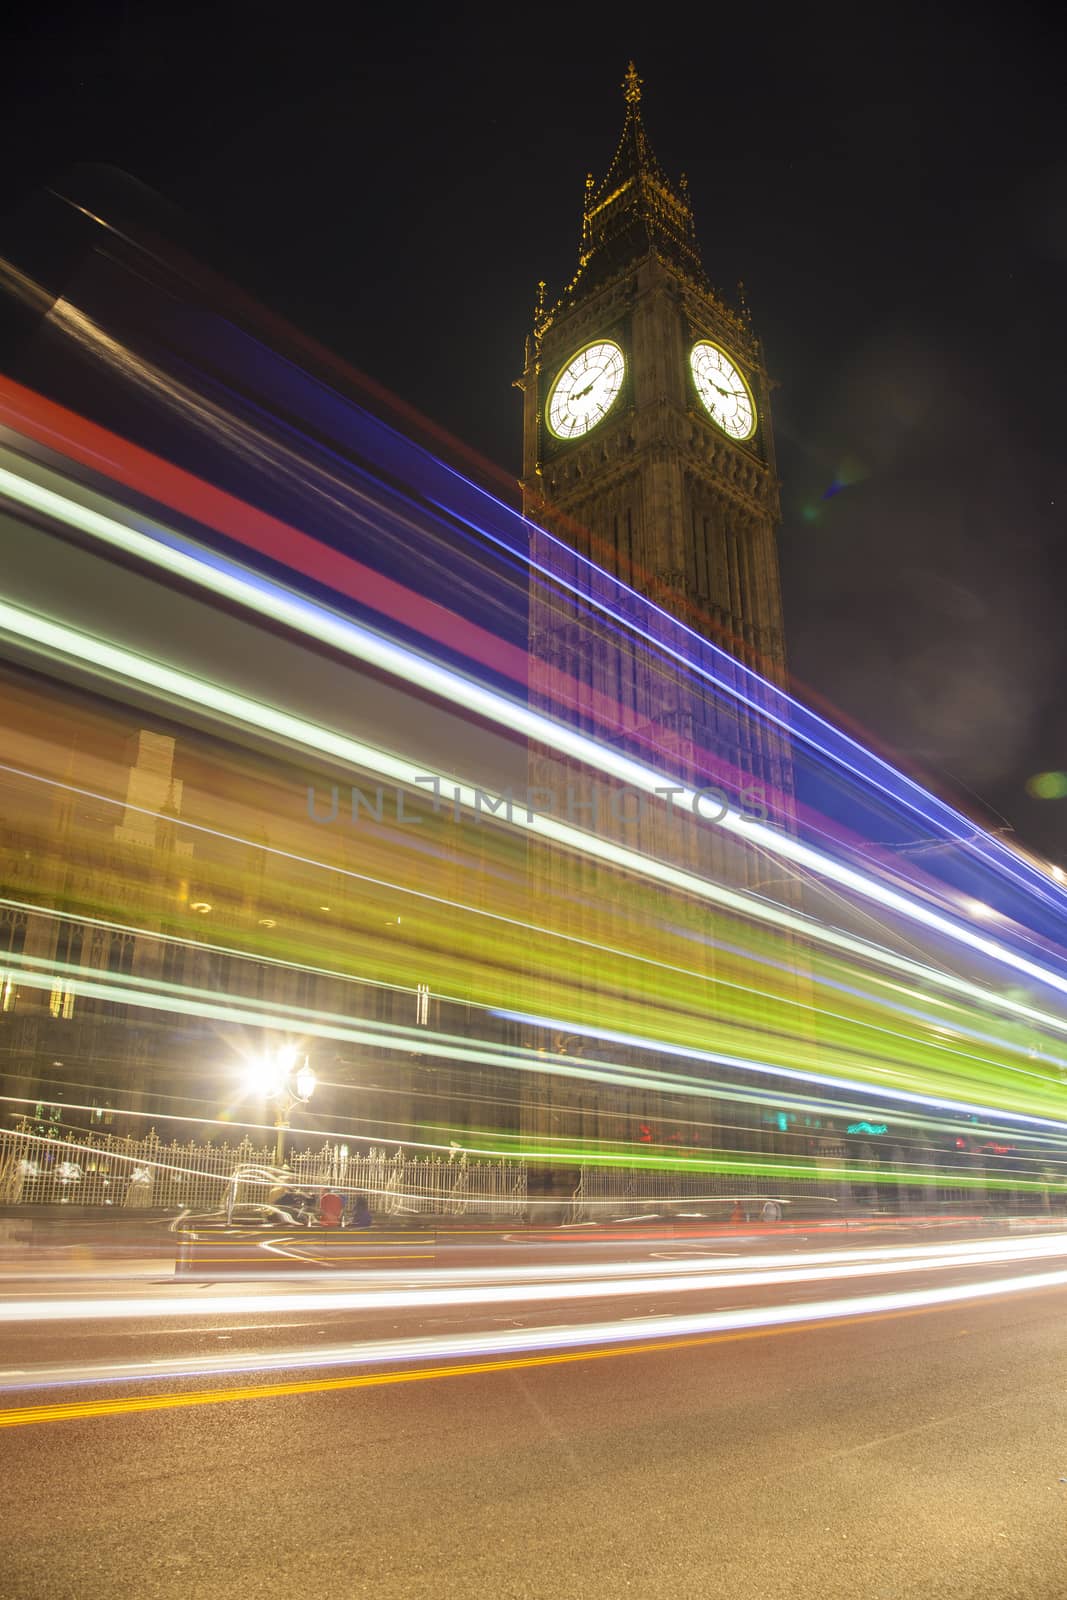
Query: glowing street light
[(288, 1079)]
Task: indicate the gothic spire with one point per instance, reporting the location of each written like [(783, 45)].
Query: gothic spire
[(634, 207), (631, 86)]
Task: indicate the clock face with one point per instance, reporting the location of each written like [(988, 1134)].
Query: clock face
[(724, 394), (585, 390)]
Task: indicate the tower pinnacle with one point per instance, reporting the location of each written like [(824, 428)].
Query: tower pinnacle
[(634, 207), (632, 86)]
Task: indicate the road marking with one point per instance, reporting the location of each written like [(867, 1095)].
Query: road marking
[(195, 1258), (80, 1410), (687, 1255), (234, 1327), (276, 1247)]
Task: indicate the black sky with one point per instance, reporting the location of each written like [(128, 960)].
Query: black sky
[(891, 185)]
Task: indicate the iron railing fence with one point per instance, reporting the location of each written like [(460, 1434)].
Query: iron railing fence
[(109, 1170), (623, 1191)]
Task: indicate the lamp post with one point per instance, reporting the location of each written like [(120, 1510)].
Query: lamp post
[(299, 1095), (287, 1079)]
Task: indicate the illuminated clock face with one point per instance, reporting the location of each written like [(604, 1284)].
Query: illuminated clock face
[(585, 390), (724, 394)]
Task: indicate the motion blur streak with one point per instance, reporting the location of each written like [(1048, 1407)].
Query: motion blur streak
[(497, 525), (394, 1291), (829, 936), (838, 982), (276, 602), (26, 1416), (69, 643), (780, 1168), (439, 1347)]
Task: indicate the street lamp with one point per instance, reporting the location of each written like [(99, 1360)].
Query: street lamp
[(286, 1078)]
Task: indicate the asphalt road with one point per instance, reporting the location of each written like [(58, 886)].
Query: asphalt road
[(921, 1453)]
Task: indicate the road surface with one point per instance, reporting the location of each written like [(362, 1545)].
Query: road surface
[(918, 1451)]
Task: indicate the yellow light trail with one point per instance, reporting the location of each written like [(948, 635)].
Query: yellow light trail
[(80, 1410), (853, 1034), (56, 640), (855, 1039), (807, 1321)]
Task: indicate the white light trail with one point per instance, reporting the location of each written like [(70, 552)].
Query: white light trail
[(282, 605), (408, 1290), (57, 639), (633, 1331)]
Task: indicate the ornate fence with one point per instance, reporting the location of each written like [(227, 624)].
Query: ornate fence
[(103, 1170), (89, 1169), (622, 1191)]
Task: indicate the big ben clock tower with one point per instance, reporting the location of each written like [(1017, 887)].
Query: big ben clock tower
[(648, 449), (647, 428)]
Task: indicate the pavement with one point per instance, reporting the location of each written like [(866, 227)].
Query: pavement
[(913, 1452)]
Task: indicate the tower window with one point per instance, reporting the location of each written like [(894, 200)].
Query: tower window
[(61, 1001), (422, 1005), (12, 932), (69, 943), (120, 953), (12, 942), (173, 963)]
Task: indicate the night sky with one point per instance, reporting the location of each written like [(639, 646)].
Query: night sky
[(892, 190)]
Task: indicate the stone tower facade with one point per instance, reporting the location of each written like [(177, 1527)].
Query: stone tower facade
[(647, 448), (677, 500)]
